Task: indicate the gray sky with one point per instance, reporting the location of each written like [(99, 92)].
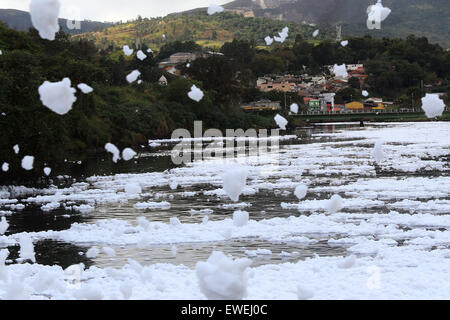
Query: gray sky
[(114, 10)]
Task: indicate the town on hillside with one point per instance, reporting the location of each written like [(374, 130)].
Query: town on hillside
[(317, 91)]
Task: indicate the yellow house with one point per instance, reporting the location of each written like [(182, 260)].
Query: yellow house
[(379, 107), (354, 106)]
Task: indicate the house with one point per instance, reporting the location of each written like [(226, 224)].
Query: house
[(313, 104), (339, 107), (327, 101), (181, 57), (163, 81), (283, 86), (354, 106)]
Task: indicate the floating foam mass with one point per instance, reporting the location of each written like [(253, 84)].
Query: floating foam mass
[(195, 94), (340, 71), (234, 182), (127, 51), (301, 191), (128, 154), (281, 122), (58, 96), (433, 105), (240, 218), (141, 56), (335, 204), (27, 163), (222, 278), (132, 77), (114, 151), (44, 17), (214, 8), (85, 88)]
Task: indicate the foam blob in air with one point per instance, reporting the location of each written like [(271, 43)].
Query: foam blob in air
[(128, 154), (85, 88), (234, 182), (3, 226), (47, 171), (127, 51), (58, 96), (281, 122), (195, 94), (114, 151), (377, 153), (44, 17), (268, 40), (132, 77), (214, 8), (26, 248), (433, 105), (340, 71), (378, 12), (28, 162), (282, 35), (141, 56)]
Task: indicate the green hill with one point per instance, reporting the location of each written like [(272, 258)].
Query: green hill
[(208, 31)]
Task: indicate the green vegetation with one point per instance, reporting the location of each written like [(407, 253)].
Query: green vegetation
[(126, 115), (208, 31)]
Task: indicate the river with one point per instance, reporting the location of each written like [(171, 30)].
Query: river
[(402, 203)]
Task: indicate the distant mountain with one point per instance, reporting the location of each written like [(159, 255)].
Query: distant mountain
[(430, 18), (21, 21)]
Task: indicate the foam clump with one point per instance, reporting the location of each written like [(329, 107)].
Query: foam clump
[(44, 17), (240, 218), (234, 182), (222, 278), (433, 105), (58, 96), (301, 191), (281, 122), (195, 94), (214, 8), (335, 204)]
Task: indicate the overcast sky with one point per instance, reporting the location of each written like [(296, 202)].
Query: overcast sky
[(115, 10)]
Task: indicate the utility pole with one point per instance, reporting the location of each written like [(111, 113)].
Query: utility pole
[(339, 32)]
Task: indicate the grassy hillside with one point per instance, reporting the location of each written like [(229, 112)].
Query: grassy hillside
[(208, 31)]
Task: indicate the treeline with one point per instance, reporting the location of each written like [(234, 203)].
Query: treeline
[(126, 115)]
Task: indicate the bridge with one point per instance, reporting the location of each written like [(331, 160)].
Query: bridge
[(367, 116)]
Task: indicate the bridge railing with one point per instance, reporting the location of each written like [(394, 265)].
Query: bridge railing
[(398, 111)]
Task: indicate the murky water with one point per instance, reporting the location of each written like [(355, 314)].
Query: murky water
[(264, 205)]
